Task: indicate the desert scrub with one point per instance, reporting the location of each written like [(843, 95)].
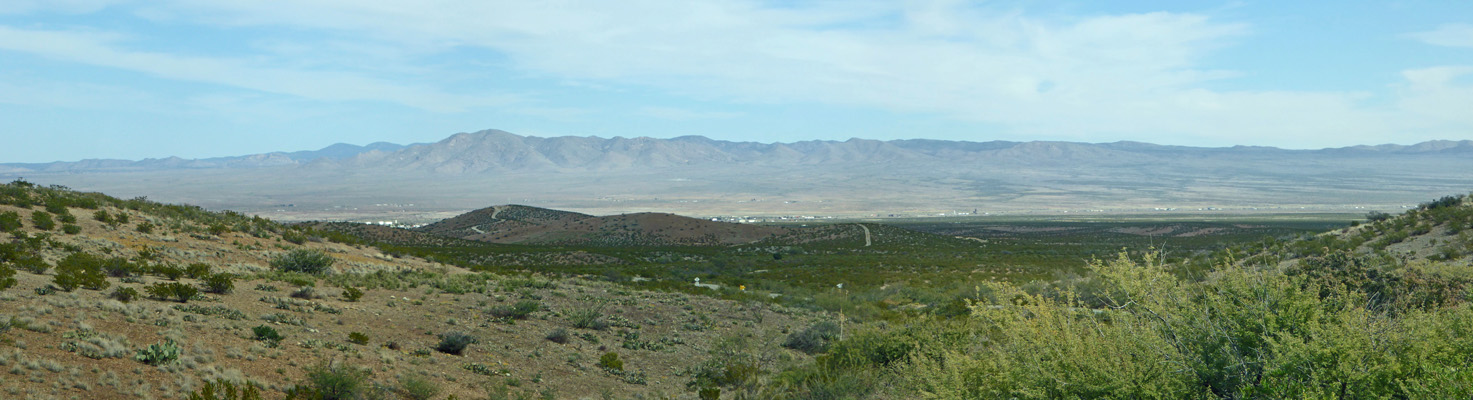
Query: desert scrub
[(454, 342), (124, 294), (163, 353), (610, 362), (7, 277), (91, 344), (197, 270), (80, 270), (589, 318), (42, 220), (520, 310), (266, 334), (332, 382), (9, 221), (358, 338), (172, 291), (559, 336), (416, 388), (218, 311), (219, 283), (352, 294), (314, 262), (224, 390), (814, 339)]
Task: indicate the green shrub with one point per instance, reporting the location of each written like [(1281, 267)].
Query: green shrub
[(218, 229), (42, 220), (144, 227), (332, 382), (559, 336), (102, 216), (224, 390), (814, 339), (219, 283), (119, 267), (520, 310), (163, 353), (416, 388), (124, 294), (197, 270), (314, 262), (454, 342), (80, 270), (294, 237), (173, 290), (610, 362), (170, 271), (66, 219), (71, 229), (7, 277), (589, 318), (358, 338), (266, 333), (9, 221), (352, 294)]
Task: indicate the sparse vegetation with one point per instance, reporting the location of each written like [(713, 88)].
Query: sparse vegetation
[(166, 352), (454, 343), (308, 261), (172, 291)]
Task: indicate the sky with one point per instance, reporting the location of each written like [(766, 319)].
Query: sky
[(127, 79)]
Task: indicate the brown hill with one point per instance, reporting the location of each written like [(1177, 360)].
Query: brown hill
[(82, 343), (532, 225)]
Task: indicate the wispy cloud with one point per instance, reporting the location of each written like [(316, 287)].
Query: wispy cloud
[(1450, 35), (105, 49)]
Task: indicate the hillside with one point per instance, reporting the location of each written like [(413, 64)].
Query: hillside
[(540, 226), (529, 335)]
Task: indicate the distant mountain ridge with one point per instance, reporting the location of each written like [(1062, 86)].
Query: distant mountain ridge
[(496, 150), (699, 176)]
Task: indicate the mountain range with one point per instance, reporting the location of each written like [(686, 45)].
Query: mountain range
[(694, 175)]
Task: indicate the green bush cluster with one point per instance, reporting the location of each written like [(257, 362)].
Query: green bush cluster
[(266, 333), (172, 291), (358, 338), (124, 294), (81, 270), (221, 283), (42, 220), (9, 221), (454, 342), (224, 390), (7, 277), (332, 382), (352, 294), (316, 262)]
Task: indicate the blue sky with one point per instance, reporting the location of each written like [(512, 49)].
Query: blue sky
[(134, 79)]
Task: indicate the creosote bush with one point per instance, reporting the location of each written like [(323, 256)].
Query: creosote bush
[(610, 362), (124, 294), (520, 310), (358, 338), (352, 294), (266, 333), (224, 390), (80, 270), (330, 381), (454, 342), (316, 262), (219, 283), (172, 291)]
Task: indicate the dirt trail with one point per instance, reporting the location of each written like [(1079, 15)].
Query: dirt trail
[(866, 235)]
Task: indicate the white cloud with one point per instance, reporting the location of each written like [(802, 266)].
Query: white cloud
[(1137, 76), (103, 49), (1450, 35)]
